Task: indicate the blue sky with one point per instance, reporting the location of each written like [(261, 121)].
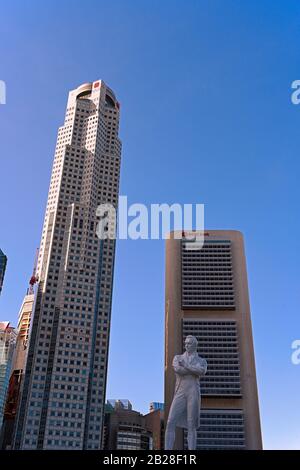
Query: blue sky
[(207, 118)]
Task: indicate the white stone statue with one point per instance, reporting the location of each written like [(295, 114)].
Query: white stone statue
[(185, 408)]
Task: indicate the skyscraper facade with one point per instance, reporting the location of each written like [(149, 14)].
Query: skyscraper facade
[(3, 262), (207, 297), (63, 396), (17, 371), (125, 429), (8, 337)]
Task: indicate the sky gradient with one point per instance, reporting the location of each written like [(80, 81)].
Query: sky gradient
[(206, 117)]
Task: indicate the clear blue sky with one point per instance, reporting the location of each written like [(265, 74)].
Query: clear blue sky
[(206, 117)]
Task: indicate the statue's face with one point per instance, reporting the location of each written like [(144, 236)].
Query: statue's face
[(190, 345)]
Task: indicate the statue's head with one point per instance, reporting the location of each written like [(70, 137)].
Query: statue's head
[(190, 343)]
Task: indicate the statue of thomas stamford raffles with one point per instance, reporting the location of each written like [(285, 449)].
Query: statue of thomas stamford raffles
[(185, 408)]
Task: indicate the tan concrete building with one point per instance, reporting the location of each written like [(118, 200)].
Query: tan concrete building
[(63, 397), (207, 297)]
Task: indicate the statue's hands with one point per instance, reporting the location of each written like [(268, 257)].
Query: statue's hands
[(181, 362)]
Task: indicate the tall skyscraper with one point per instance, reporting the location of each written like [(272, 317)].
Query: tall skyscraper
[(207, 297), (8, 337), (63, 396), (3, 262)]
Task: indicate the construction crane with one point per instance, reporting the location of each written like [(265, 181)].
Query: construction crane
[(34, 277)]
